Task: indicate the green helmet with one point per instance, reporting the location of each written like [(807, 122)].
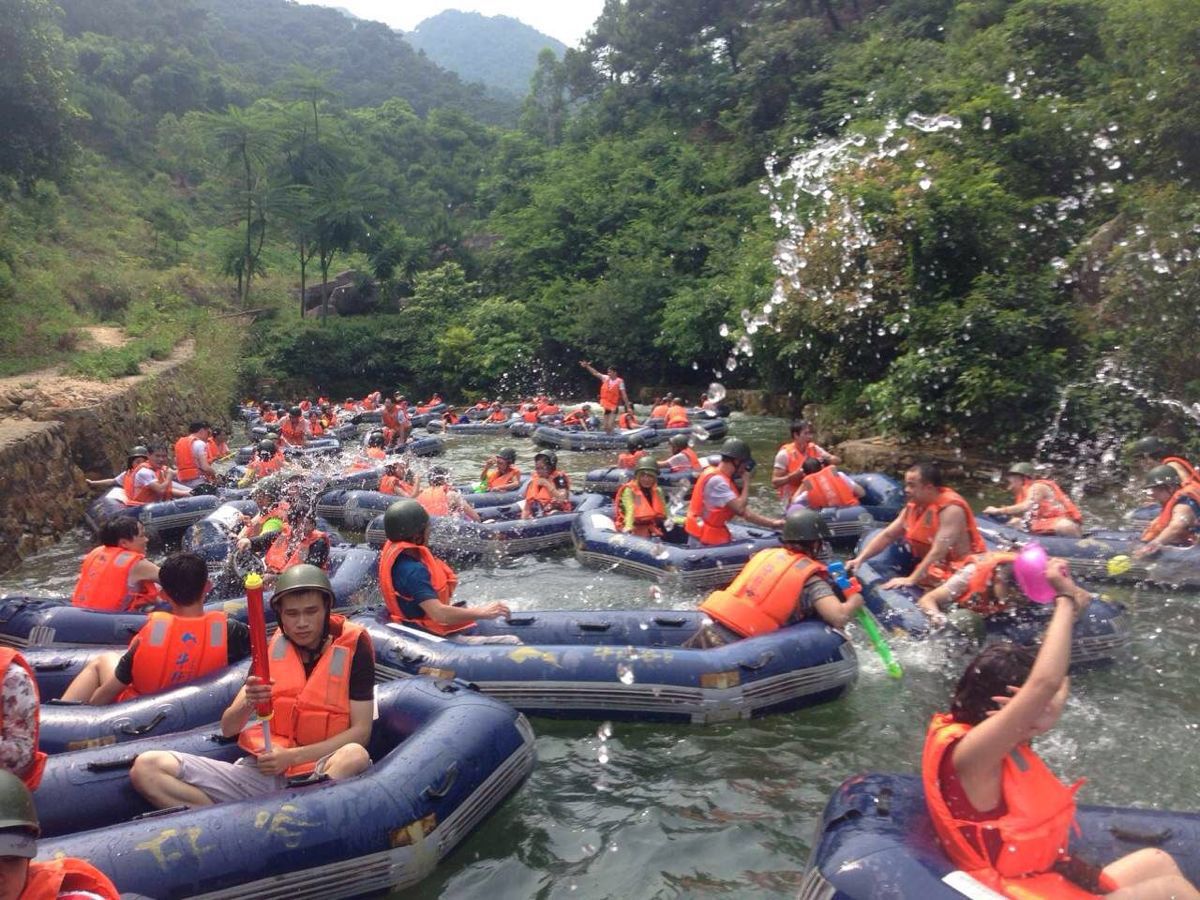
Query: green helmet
[(266, 446), (302, 577), (805, 525), (635, 442), (139, 450), (1021, 468), (508, 454), (550, 456), (679, 442), (16, 804), (646, 464), (405, 520), (736, 448), (1162, 476), (1148, 446)]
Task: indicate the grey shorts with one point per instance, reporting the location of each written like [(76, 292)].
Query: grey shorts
[(223, 782)]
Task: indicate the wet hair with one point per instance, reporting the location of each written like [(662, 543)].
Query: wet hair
[(117, 529), (800, 425), (928, 472), (812, 465), (183, 576), (989, 675)]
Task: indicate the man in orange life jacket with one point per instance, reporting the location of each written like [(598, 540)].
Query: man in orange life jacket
[(658, 409), (217, 447), (322, 689), (635, 449), (938, 525), (612, 394), (191, 456), (116, 576), (499, 473), (150, 480), (299, 541), (627, 419), (639, 507), (1151, 451), (172, 649), (398, 479), (1041, 506), (787, 473), (395, 424), (683, 459), (23, 879), (441, 499), (721, 493), (1178, 523), (823, 485), (779, 586), (985, 585), (293, 431), (677, 415), (417, 586), (268, 460)]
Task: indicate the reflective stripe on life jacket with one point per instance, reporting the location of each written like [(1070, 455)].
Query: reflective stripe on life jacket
[(1048, 511), (309, 709), (648, 515), (978, 596), (610, 393), (47, 880), (708, 526), (1034, 831), (441, 577), (921, 525), (283, 553), (1163, 519), (175, 650), (766, 593), (104, 581), (186, 466), (8, 657), (827, 488), (435, 499)]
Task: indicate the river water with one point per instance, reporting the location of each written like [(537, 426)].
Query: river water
[(638, 811)]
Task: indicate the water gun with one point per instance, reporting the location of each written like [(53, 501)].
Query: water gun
[(259, 661), (850, 585)]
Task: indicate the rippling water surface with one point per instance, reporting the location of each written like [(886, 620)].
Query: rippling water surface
[(632, 811)]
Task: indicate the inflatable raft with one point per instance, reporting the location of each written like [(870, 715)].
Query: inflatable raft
[(627, 664), (1171, 567), (27, 621), (608, 480), (162, 521), (501, 533), (1099, 636), (355, 509), (213, 536), (875, 839), (438, 427), (445, 757), (598, 544), (701, 429), (566, 439)]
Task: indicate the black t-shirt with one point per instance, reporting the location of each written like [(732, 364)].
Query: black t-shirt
[(237, 648)]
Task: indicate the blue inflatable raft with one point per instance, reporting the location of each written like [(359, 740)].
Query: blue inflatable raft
[(445, 757), (875, 840), (608, 480), (355, 509), (322, 446), (566, 439), (599, 545), (627, 664), (438, 427), (162, 521), (700, 429)]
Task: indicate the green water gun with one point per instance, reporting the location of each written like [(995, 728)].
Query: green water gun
[(867, 620)]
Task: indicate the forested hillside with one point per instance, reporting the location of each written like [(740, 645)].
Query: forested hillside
[(990, 199)]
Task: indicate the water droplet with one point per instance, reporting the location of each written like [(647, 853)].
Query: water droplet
[(625, 674), (987, 123), (605, 731), (925, 183)]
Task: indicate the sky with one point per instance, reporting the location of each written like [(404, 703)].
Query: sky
[(567, 20)]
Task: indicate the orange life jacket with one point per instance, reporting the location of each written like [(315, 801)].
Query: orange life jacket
[(173, 651), (629, 460), (921, 525), (435, 499), (795, 459), (693, 462), (826, 488), (1049, 511), (764, 595), (313, 709), (315, 428), (216, 449), (1034, 831), (293, 434), (648, 515), (627, 420), (1179, 462), (498, 416), (677, 416), (575, 418), (500, 481), (529, 415), (542, 494), (441, 576), (708, 526), (368, 403), (47, 880), (104, 581), (270, 416), (394, 484), (450, 417), (1155, 528), (8, 656), (263, 467), (390, 418), (186, 466), (659, 412), (549, 409), (978, 595), (610, 393), (138, 496), (283, 554)]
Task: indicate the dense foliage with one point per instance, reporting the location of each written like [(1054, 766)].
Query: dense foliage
[(944, 273)]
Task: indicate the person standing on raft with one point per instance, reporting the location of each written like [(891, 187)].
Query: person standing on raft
[(612, 394), (1040, 507), (722, 492), (779, 586), (938, 525), (999, 813)]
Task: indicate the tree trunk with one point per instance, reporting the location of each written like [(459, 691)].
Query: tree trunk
[(303, 279), (244, 281)]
